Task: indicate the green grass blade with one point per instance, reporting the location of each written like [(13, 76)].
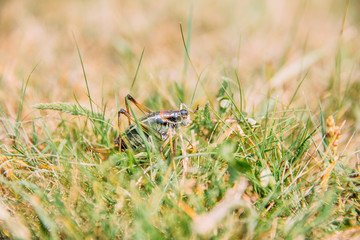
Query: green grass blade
[(137, 69), (84, 72)]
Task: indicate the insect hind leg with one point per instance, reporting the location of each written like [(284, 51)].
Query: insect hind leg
[(138, 105), (119, 141), (124, 112)]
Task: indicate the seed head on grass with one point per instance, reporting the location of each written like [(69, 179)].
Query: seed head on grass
[(70, 108)]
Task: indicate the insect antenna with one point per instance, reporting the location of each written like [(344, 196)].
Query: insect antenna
[(183, 105)]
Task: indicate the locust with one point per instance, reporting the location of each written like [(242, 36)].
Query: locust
[(162, 125)]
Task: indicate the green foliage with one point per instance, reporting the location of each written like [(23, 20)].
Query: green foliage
[(57, 188)]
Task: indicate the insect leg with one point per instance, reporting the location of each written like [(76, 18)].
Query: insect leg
[(183, 106), (141, 107), (120, 140), (130, 118), (171, 141), (126, 113), (121, 143)]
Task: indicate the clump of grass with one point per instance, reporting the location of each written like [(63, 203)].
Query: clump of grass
[(54, 187)]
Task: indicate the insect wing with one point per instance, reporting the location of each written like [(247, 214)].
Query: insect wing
[(147, 129)]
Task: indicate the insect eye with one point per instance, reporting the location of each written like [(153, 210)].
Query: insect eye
[(184, 112)]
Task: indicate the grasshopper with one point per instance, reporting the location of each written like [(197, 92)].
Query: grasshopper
[(160, 124)]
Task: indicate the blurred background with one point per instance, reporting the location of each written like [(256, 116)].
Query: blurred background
[(271, 45)]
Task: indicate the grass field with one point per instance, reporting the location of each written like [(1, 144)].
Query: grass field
[(272, 153)]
